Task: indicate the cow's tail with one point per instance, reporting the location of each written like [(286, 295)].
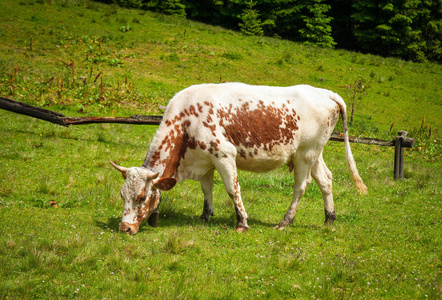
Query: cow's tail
[(351, 164)]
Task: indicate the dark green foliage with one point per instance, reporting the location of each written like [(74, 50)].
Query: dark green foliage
[(168, 7), (317, 30), (214, 12), (410, 29), (250, 22), (386, 27), (171, 7), (130, 3), (430, 20), (341, 23), (287, 18)]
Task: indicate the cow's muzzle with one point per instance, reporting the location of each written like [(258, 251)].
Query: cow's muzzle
[(128, 228)]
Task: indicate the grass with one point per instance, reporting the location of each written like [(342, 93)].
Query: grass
[(74, 57)]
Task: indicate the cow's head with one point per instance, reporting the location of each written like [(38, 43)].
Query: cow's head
[(141, 195)]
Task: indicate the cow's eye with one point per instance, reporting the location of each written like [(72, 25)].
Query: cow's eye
[(142, 196)]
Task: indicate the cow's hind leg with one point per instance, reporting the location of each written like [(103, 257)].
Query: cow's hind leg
[(207, 187), (323, 178), (226, 167), (302, 179)]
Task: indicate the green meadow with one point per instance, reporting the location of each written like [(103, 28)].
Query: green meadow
[(83, 58)]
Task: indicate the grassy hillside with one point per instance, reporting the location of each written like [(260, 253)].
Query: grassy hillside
[(84, 58), (161, 55)]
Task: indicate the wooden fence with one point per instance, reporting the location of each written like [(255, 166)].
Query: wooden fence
[(400, 142)]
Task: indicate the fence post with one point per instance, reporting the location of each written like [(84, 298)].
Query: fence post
[(398, 157), (400, 142)]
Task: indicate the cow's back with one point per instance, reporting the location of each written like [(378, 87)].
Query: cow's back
[(266, 125)]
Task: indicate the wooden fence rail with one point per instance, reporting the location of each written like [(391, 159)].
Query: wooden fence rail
[(400, 142), (59, 119)]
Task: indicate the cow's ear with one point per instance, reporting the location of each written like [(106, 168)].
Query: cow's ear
[(165, 184)]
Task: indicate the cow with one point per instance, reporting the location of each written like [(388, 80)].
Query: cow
[(232, 126)]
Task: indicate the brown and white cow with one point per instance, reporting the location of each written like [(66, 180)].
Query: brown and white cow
[(234, 126)]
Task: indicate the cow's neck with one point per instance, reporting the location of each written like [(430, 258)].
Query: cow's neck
[(165, 151)]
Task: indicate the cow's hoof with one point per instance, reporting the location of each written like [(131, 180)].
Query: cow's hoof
[(206, 216), (329, 218), (279, 227), (328, 222), (283, 224), (242, 228)]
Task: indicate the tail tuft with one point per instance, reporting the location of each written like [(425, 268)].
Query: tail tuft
[(362, 188)]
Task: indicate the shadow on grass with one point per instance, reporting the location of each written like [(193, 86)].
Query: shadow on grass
[(112, 223), (182, 220)]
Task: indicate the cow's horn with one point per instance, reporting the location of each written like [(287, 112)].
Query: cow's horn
[(123, 170), (153, 176)]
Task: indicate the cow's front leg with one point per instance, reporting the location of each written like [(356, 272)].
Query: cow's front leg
[(207, 187), (227, 169)]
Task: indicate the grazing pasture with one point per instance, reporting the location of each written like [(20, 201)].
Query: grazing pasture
[(83, 58)]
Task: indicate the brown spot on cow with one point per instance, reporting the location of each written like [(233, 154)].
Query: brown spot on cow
[(242, 153), (263, 127), (211, 127), (192, 111), (208, 104), (214, 148), (142, 196), (200, 107), (146, 210), (202, 145), (155, 158)]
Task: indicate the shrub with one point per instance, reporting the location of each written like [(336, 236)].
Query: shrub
[(250, 22)]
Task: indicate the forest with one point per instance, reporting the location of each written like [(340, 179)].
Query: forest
[(409, 29)]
